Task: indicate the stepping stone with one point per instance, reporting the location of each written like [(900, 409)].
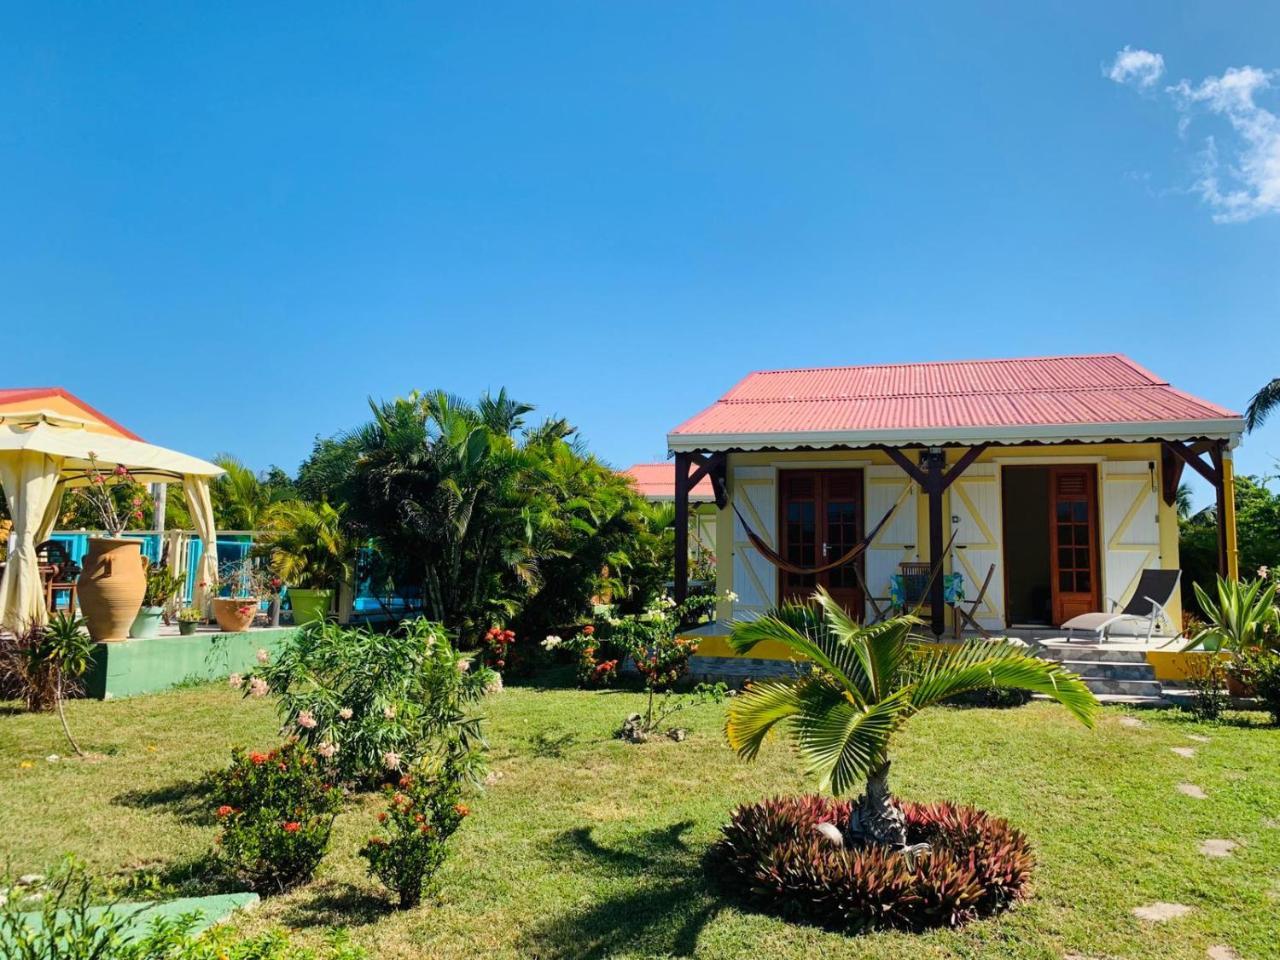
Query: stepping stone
[(1191, 790), (1271, 823), (1197, 738), (1221, 951), (1218, 848), (1159, 912), (1184, 751), (1131, 722)]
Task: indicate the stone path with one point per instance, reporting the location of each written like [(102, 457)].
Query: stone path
[(1184, 751), (1218, 848), (1198, 738), (1221, 951), (1191, 790), (1160, 911), (1131, 722)]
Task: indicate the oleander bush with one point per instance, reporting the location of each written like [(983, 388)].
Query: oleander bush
[(772, 855), (277, 810)]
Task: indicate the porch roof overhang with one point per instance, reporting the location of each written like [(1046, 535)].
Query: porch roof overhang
[(1229, 429)]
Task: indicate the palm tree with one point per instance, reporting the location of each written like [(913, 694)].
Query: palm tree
[(1263, 402), (866, 683)]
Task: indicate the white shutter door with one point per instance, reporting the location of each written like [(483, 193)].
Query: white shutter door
[(755, 579), (975, 500), (1130, 528), (897, 541)]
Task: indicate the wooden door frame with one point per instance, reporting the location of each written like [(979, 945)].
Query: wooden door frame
[(820, 502), (1090, 471)]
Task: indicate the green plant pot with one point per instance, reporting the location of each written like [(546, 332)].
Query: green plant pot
[(310, 605), (187, 627), (147, 623)]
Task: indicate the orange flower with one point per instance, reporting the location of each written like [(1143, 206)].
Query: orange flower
[(293, 826), (589, 629), (382, 817), (461, 809), (225, 810)]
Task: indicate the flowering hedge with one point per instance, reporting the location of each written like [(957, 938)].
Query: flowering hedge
[(276, 809)]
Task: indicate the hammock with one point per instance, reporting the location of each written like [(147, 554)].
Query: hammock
[(854, 552)]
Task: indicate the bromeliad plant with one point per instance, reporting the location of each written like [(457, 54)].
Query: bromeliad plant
[(866, 683)]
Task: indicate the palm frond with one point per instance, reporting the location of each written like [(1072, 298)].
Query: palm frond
[(785, 625), (755, 711), (986, 665), (841, 743), (1263, 402)]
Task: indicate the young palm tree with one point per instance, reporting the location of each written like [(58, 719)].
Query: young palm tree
[(1263, 402), (866, 683)]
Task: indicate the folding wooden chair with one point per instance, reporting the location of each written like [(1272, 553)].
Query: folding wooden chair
[(878, 612), (969, 616)]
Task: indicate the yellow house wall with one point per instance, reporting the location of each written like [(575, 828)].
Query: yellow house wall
[(1167, 521)]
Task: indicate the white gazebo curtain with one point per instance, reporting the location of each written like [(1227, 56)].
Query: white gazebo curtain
[(200, 506), (32, 484)]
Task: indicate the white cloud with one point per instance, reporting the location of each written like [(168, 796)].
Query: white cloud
[(1239, 171), (1246, 184), (1139, 67)]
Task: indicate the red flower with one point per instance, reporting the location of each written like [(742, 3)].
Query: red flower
[(258, 758), (461, 809), (589, 629), (293, 826), (406, 780), (502, 663), (122, 471), (508, 635), (225, 810), (382, 817)]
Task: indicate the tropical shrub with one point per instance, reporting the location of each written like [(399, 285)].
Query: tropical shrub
[(69, 923), (307, 545), (277, 810), (44, 664), (162, 585), (772, 854), (423, 812), (1207, 676), (376, 704), (866, 683), (1257, 529), (1242, 616), (596, 656), (1260, 670)]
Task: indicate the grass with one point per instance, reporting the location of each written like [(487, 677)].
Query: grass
[(587, 847)]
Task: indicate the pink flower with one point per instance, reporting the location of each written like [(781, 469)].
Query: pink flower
[(389, 712), (236, 681), (122, 470), (327, 749), (345, 713), (258, 687), (391, 760), (264, 657), (306, 720)]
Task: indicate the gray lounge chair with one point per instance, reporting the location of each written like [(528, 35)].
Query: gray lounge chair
[(1147, 605)]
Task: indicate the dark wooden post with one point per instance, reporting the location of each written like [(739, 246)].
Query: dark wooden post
[(682, 528), (935, 462), (1220, 489)]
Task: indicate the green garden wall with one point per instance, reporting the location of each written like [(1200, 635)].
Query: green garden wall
[(132, 667)]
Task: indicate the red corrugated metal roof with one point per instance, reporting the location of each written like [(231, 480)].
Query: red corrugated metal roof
[(20, 394), (657, 481), (1031, 392)]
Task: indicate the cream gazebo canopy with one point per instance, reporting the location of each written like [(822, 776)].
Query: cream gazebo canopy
[(41, 454)]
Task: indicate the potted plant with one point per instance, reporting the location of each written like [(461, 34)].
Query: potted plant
[(112, 581), (161, 587), (189, 619), (238, 592), (310, 552)]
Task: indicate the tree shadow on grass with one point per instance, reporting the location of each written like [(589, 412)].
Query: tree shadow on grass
[(337, 904), (661, 904), (187, 800)]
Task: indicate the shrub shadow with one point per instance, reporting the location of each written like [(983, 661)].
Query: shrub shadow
[(187, 800), (335, 904), (664, 909)]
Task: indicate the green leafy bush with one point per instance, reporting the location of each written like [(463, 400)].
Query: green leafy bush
[(423, 812), (1260, 669), (1207, 676), (375, 704), (277, 810), (772, 854)]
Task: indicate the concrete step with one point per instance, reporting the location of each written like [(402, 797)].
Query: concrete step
[(1123, 699), (1128, 688), (1110, 669), (1078, 652)]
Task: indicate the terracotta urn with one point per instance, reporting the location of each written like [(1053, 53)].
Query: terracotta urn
[(234, 614), (111, 586)]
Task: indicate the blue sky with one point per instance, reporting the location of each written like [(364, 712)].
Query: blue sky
[(229, 224)]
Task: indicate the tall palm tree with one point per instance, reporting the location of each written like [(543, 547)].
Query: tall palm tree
[(866, 683), (1263, 402)]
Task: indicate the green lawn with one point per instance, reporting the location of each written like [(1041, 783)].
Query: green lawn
[(587, 847)]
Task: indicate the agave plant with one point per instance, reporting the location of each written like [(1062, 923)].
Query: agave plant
[(867, 682), (1244, 616)]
